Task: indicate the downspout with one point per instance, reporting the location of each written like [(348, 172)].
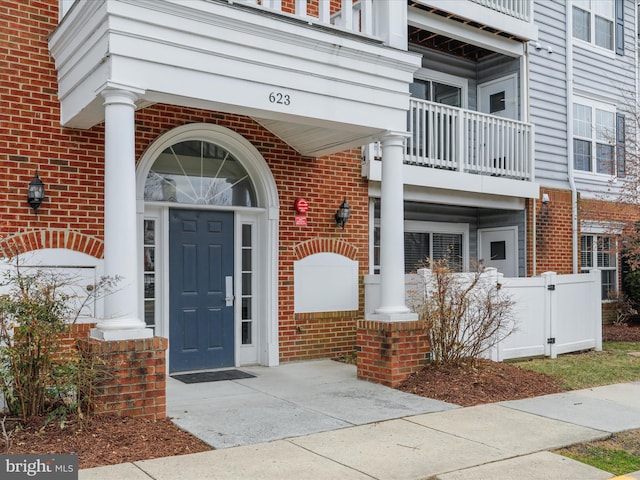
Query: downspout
[(572, 181), (526, 117)]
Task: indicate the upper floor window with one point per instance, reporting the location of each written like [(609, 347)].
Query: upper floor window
[(440, 88), (437, 92), (593, 22), (594, 137)]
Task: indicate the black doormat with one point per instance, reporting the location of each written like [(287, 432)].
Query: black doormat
[(200, 377)]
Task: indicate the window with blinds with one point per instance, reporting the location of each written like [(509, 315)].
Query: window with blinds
[(420, 246), (597, 251)]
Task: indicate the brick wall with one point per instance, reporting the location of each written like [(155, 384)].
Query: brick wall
[(31, 138), (319, 335), (137, 383), (553, 233), (74, 333), (388, 352)]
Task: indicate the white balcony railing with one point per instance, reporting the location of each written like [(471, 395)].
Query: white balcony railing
[(353, 16), (458, 139), (520, 9)]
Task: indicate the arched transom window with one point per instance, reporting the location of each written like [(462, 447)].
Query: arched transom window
[(200, 173)]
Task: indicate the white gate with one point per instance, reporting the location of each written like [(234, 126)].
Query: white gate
[(553, 314)]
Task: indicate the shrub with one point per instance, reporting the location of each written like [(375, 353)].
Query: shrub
[(631, 287), (466, 314), (37, 376)]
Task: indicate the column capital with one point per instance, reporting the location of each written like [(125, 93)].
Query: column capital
[(119, 94), (391, 138)]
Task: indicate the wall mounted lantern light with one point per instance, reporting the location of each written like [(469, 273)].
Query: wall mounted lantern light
[(35, 196), (343, 213)]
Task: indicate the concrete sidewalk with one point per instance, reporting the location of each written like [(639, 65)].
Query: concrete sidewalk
[(377, 439)]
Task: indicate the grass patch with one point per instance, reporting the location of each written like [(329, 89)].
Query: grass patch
[(619, 454), (591, 369)]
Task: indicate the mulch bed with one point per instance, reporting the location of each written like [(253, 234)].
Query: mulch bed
[(104, 440), (485, 382), (621, 333)]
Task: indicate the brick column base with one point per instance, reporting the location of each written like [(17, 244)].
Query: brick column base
[(388, 352), (137, 383)]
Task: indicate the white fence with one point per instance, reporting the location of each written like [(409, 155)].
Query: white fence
[(553, 314)]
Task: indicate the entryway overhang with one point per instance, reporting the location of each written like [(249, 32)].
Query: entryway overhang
[(319, 89)]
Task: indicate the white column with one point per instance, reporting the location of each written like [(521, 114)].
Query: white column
[(392, 289), (120, 229)]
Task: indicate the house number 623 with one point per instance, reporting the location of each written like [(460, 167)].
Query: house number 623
[(279, 98)]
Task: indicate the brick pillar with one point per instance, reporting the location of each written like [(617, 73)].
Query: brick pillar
[(388, 352), (137, 385)]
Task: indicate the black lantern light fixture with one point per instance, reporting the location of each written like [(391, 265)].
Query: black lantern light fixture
[(35, 196), (343, 213)]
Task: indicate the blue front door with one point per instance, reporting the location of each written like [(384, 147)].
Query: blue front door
[(201, 317)]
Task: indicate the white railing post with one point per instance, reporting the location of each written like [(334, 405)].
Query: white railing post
[(366, 17), (346, 17), (461, 127), (301, 8), (273, 5), (324, 12), (531, 150)]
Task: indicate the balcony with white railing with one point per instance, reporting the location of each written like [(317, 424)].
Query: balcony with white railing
[(458, 149), (466, 141)]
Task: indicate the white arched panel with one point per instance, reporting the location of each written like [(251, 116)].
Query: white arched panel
[(325, 282)]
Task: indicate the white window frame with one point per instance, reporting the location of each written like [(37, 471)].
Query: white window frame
[(591, 10), (595, 105), (155, 215), (597, 234), (416, 226), (446, 79)]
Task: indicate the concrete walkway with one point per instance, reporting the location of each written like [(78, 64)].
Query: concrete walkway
[(314, 420)]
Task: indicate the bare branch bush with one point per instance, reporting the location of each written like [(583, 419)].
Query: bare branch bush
[(466, 314)]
